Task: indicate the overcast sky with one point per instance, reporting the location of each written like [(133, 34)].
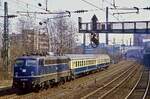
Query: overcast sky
[(71, 5)]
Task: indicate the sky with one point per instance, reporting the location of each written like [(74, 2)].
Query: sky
[(72, 5)]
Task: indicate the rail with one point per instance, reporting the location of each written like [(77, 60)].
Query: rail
[(111, 82), (139, 86)]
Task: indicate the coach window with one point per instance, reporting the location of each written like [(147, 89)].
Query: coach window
[(47, 62), (79, 63), (76, 63)]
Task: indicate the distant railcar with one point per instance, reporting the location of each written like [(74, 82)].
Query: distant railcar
[(146, 60), (36, 72)]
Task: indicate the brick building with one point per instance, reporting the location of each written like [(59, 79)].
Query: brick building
[(32, 40)]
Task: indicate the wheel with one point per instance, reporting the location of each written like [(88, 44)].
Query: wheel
[(37, 88)]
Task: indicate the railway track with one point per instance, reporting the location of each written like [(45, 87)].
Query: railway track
[(12, 94), (148, 92), (90, 85), (103, 91), (142, 88)]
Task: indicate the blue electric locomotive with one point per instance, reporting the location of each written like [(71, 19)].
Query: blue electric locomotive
[(38, 72)]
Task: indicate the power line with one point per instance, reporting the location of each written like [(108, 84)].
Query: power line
[(34, 6), (100, 9), (22, 6), (93, 5), (114, 7)]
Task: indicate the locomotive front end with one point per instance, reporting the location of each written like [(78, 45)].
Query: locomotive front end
[(25, 72)]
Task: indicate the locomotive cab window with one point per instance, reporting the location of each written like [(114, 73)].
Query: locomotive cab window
[(25, 62), (19, 63)]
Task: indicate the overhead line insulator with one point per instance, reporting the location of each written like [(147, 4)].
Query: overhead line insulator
[(80, 11), (147, 8)]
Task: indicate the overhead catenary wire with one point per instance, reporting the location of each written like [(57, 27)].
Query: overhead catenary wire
[(24, 7), (114, 7), (31, 5), (93, 5), (100, 9)]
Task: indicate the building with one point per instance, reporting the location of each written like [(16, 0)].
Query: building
[(35, 41), (29, 40), (43, 42), (32, 40)]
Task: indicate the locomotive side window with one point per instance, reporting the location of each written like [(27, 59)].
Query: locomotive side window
[(31, 62), (47, 62), (59, 61)]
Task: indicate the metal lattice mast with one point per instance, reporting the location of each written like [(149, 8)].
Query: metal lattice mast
[(106, 25), (5, 42)]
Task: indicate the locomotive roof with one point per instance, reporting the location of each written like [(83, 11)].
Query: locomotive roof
[(85, 56), (66, 56), (38, 57)]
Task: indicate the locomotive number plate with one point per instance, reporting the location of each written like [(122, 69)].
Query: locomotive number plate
[(23, 70)]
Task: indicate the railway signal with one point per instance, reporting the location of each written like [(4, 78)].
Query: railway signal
[(94, 36)]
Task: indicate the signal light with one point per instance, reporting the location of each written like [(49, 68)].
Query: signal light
[(94, 40)]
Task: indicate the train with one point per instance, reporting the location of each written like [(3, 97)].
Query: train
[(38, 72), (146, 55)]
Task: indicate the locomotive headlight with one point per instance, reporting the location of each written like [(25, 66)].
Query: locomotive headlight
[(16, 74)]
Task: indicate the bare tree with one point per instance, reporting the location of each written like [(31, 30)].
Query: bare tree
[(26, 22), (63, 37)]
